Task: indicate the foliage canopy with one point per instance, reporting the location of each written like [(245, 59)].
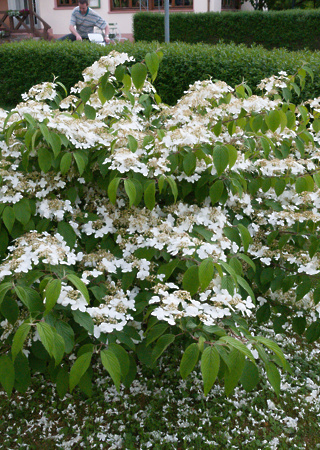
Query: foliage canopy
[(128, 226)]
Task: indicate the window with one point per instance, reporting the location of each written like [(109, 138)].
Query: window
[(67, 3), (148, 5)]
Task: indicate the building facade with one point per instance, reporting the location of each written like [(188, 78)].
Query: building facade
[(57, 12)]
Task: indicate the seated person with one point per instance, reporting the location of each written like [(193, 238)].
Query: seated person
[(83, 20)]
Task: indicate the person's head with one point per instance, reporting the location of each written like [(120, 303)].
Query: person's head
[(83, 6)]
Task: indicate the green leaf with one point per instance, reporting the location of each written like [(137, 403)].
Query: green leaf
[(44, 159), (244, 284), (313, 332), (80, 162), (112, 190), (245, 236), (150, 195), (173, 186), (210, 363), (156, 332), (303, 289), (58, 347), (215, 191), (273, 347), (138, 74), (189, 360), (4, 288), (52, 294), (67, 333), (19, 339), (152, 62), (22, 211), (190, 280), (161, 345), (65, 163), (108, 91), (8, 218), (78, 369), (111, 364), (205, 273), (232, 234), (220, 158), (55, 143), (250, 376), (273, 120), (79, 284), (234, 370), (235, 343), (132, 143), (273, 377), (189, 163), (130, 191), (22, 373), (46, 334), (45, 132), (122, 357), (68, 233), (85, 94), (84, 319), (7, 374), (168, 269)]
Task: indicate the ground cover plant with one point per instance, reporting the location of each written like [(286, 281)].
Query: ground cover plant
[(129, 228)]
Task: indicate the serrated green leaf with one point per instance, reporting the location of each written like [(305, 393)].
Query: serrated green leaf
[(161, 345), (130, 189), (205, 273), (78, 369), (250, 376), (123, 358), (155, 332), (138, 73), (44, 159), (210, 363), (189, 360), (216, 191), (273, 377), (111, 364), (112, 190), (19, 339), (52, 294), (150, 195), (190, 280), (46, 334), (220, 158), (84, 319), (65, 163), (245, 236), (273, 120), (80, 162), (8, 218), (7, 374), (235, 343)]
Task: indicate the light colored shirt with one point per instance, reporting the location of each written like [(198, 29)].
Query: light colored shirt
[(86, 23)]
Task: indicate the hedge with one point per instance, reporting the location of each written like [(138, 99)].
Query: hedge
[(27, 63), (293, 29)]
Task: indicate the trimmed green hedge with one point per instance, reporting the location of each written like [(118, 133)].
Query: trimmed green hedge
[(27, 63), (292, 29)]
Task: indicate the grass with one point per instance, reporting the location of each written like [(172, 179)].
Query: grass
[(161, 411)]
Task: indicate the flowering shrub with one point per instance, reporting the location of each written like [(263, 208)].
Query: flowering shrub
[(128, 225)]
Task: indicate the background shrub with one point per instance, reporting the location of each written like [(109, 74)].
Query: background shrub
[(27, 63), (294, 29)]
